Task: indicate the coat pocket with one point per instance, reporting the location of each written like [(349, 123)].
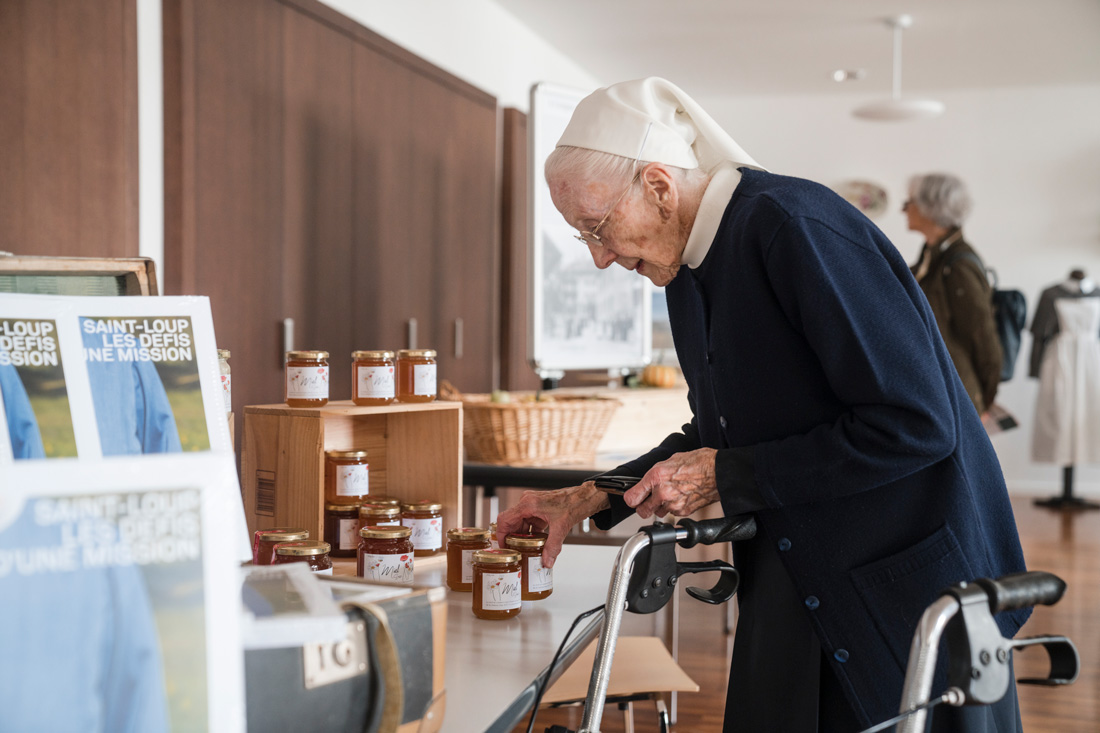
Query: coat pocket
[(897, 589)]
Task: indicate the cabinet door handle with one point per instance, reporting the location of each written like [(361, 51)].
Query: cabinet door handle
[(288, 339), (410, 335), (458, 338)]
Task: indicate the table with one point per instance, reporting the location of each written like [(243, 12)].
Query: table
[(493, 668)]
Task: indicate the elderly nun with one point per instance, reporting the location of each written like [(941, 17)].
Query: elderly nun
[(823, 401)]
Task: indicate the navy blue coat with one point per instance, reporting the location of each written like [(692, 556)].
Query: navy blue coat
[(806, 341)]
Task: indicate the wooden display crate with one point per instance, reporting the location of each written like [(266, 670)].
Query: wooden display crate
[(414, 452)]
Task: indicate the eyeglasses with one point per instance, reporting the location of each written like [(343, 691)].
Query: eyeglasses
[(593, 237)]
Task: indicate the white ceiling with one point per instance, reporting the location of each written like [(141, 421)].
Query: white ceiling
[(716, 48)]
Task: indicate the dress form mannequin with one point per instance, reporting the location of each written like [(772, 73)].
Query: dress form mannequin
[(1078, 285)]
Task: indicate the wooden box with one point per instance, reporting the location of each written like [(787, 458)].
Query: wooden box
[(414, 452)]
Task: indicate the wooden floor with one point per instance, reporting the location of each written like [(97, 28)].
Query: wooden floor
[(1066, 544)]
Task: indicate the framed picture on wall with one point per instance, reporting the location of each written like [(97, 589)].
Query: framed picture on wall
[(581, 317)]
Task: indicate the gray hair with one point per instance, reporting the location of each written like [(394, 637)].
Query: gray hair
[(941, 197), (592, 165)]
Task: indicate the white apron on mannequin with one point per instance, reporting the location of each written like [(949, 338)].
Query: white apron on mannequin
[(1067, 416)]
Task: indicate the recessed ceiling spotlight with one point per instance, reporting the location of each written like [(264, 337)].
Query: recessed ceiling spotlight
[(849, 75)]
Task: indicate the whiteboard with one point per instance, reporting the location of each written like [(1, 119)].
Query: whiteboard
[(581, 317)]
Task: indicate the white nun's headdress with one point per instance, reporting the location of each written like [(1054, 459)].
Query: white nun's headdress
[(655, 120)]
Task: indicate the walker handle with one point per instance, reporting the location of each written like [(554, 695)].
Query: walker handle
[(723, 529), (1022, 590)]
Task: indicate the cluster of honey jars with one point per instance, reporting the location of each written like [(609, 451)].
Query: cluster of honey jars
[(499, 578), (377, 377), (281, 545)]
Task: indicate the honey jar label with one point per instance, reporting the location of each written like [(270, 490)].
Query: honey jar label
[(349, 534), (500, 591), (427, 534), (538, 577), (227, 391), (307, 383), (353, 480), (468, 566), (391, 568), (376, 382), (424, 379)]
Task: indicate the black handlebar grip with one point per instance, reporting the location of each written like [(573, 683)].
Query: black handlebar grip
[(724, 529), (1022, 590)]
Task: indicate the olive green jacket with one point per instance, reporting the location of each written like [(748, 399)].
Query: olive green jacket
[(961, 299)]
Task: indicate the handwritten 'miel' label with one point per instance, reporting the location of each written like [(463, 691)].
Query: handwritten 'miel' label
[(391, 568), (424, 379), (307, 383), (427, 534), (500, 591), (349, 534), (538, 577), (376, 382), (352, 480), (468, 566)]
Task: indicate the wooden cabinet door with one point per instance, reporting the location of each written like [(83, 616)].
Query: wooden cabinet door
[(318, 192), (425, 222)]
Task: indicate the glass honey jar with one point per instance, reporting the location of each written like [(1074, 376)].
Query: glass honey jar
[(385, 553), (342, 529), (381, 515), (347, 476), (306, 378), (264, 541), (496, 584), (312, 552), (462, 542), (416, 377), (493, 536), (537, 581), (425, 519), (372, 378)]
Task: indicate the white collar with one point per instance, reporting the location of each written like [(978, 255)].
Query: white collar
[(713, 205)]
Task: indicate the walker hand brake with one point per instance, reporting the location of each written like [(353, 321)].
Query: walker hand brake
[(655, 571)]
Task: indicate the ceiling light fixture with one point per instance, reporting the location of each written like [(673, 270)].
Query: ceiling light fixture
[(897, 109)]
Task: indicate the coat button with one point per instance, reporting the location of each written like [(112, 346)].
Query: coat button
[(841, 655), (722, 422), (784, 544), (812, 603)]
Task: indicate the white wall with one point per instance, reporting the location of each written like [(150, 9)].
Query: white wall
[(476, 40), (1031, 158)]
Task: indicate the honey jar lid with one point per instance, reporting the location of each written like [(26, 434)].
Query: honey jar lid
[(341, 507), (526, 541), (424, 505), (496, 557), (379, 510), (417, 353), (306, 355), (372, 532), (283, 534), (338, 454), (223, 353), (467, 533), (302, 549), (381, 500), (371, 355)]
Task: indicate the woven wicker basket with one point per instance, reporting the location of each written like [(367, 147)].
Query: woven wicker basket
[(564, 430)]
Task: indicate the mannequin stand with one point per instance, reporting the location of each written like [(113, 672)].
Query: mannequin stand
[(1067, 501)]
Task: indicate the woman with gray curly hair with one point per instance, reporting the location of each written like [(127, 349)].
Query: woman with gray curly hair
[(954, 282)]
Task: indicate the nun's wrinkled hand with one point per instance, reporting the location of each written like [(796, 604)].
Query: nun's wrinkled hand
[(681, 485), (552, 512)]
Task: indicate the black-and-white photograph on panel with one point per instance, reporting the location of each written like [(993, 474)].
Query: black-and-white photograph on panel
[(581, 317)]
